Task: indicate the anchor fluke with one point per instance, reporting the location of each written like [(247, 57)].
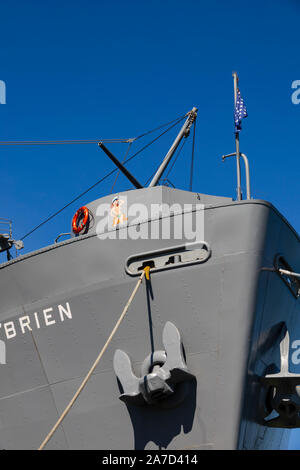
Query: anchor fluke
[(163, 370), (284, 397), (128, 381)]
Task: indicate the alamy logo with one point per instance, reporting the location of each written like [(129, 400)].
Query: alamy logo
[(152, 221), (2, 352), (296, 354), (296, 94), (2, 92)]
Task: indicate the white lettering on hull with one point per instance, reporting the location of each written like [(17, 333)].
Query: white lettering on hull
[(2, 352), (27, 323)]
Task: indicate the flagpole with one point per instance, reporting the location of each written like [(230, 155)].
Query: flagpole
[(237, 142)]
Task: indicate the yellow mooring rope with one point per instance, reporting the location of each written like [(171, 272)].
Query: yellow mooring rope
[(84, 382)]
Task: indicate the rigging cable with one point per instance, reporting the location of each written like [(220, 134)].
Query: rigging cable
[(151, 177), (175, 159), (124, 159), (192, 159), (160, 127), (62, 142), (87, 141), (101, 180)]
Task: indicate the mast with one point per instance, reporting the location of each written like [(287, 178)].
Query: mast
[(237, 142), (184, 132)]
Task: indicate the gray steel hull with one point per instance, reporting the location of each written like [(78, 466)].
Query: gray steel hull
[(223, 308)]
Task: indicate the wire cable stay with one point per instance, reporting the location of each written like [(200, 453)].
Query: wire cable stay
[(175, 159), (174, 122), (192, 159), (88, 141), (161, 126), (124, 159), (63, 142), (173, 163), (166, 179)]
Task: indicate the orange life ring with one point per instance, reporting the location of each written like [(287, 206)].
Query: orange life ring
[(78, 228)]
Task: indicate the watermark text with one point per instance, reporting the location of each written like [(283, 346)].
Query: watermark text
[(2, 92), (296, 94)]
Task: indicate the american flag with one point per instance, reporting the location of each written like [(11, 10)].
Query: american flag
[(240, 112)]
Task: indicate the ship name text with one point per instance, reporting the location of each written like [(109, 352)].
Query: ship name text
[(34, 321)]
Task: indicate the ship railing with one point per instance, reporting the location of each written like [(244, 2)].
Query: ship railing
[(247, 170), (5, 228), (69, 234)]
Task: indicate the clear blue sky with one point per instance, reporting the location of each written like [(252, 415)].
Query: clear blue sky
[(99, 69)]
